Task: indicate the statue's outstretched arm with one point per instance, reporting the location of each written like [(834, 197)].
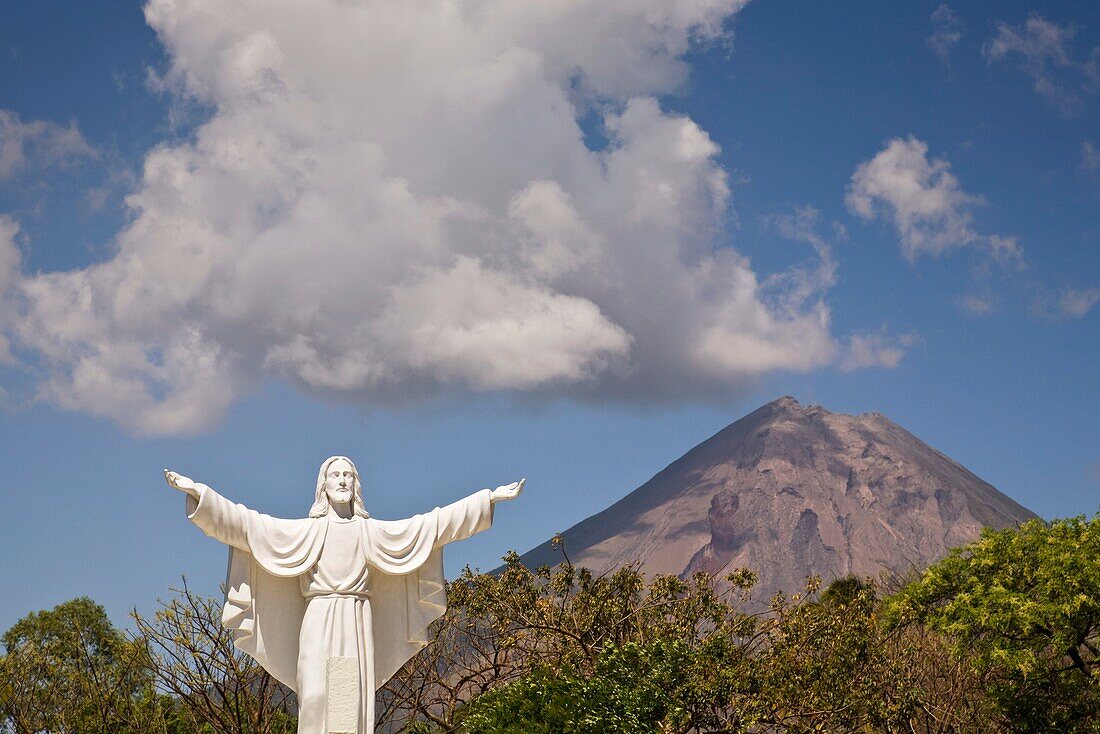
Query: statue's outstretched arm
[(216, 516), (471, 515)]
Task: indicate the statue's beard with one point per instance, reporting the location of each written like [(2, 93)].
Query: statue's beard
[(341, 497)]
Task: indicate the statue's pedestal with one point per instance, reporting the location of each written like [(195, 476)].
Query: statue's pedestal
[(343, 695)]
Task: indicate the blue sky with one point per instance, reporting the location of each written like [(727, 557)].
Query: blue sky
[(464, 248)]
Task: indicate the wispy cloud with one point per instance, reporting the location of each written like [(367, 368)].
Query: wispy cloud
[(813, 279), (1067, 303), (976, 304), (946, 33), (802, 283), (925, 202), (862, 351), (1078, 302), (1043, 51), (38, 143), (1090, 158)]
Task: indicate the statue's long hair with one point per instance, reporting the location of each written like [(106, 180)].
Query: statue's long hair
[(320, 503)]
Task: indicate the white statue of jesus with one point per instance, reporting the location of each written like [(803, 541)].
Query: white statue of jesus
[(337, 585)]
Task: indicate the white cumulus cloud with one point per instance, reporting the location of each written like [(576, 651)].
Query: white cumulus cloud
[(9, 253), (925, 202), (392, 199), (10, 259)]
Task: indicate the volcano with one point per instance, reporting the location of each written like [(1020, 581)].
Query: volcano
[(788, 491)]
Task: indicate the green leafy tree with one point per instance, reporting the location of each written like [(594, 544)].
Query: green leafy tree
[(561, 650), (514, 626), (1023, 607), (69, 669), (632, 689), (831, 665)]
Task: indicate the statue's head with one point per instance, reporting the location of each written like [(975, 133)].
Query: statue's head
[(338, 482)]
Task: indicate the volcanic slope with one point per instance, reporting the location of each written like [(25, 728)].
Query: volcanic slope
[(790, 491)]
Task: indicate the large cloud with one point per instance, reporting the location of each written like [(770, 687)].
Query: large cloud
[(390, 199)]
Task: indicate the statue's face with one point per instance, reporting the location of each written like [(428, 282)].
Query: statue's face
[(340, 482)]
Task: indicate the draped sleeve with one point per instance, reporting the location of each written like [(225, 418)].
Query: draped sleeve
[(263, 602), (469, 516), (409, 593), (218, 518), (283, 547)]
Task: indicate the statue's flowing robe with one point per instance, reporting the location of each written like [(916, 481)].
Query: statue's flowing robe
[(301, 591)]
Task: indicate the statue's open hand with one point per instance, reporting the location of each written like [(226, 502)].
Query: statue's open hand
[(508, 491), (180, 482)]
